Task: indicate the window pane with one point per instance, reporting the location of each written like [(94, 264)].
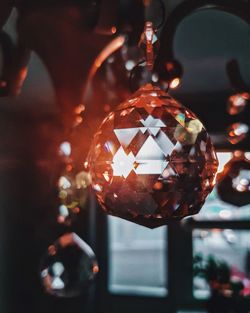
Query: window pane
[(228, 246), (137, 259)]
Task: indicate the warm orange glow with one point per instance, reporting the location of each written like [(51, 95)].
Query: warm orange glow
[(79, 109), (246, 95), (158, 186), (69, 168), (113, 30), (78, 119), (76, 210), (23, 73), (238, 153), (169, 66), (95, 269), (66, 240), (237, 132), (114, 45), (61, 219), (174, 83), (52, 250), (107, 108)]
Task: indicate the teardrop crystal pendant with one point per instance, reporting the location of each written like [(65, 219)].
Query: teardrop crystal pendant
[(152, 160)]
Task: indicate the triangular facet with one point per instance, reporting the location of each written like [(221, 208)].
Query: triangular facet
[(152, 122), (164, 143), (154, 130), (125, 135), (180, 117), (143, 129), (150, 151)]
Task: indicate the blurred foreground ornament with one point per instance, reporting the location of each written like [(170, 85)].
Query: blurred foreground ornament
[(68, 267), (234, 186), (152, 160)]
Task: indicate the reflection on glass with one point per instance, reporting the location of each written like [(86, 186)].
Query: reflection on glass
[(228, 249), (137, 259)]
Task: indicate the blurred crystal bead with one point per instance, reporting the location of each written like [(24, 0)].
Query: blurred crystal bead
[(234, 187), (237, 132), (73, 195), (169, 74), (237, 103), (68, 267), (65, 148), (152, 160)]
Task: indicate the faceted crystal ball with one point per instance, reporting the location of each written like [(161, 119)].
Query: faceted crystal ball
[(234, 187), (152, 160), (68, 267)]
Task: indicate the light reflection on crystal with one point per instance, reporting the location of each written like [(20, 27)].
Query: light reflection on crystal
[(64, 182), (65, 148), (73, 195), (68, 267), (155, 156), (237, 103), (237, 132), (129, 65), (174, 83)]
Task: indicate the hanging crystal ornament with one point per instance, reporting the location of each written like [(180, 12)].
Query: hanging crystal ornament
[(234, 183), (68, 267), (152, 160)]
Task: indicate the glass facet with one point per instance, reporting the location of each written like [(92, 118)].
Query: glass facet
[(152, 160), (68, 267)]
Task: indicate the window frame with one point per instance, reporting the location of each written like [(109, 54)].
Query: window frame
[(179, 269)]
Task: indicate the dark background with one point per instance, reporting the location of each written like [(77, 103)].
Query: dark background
[(30, 127)]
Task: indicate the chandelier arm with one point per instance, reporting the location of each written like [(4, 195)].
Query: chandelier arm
[(163, 14)]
